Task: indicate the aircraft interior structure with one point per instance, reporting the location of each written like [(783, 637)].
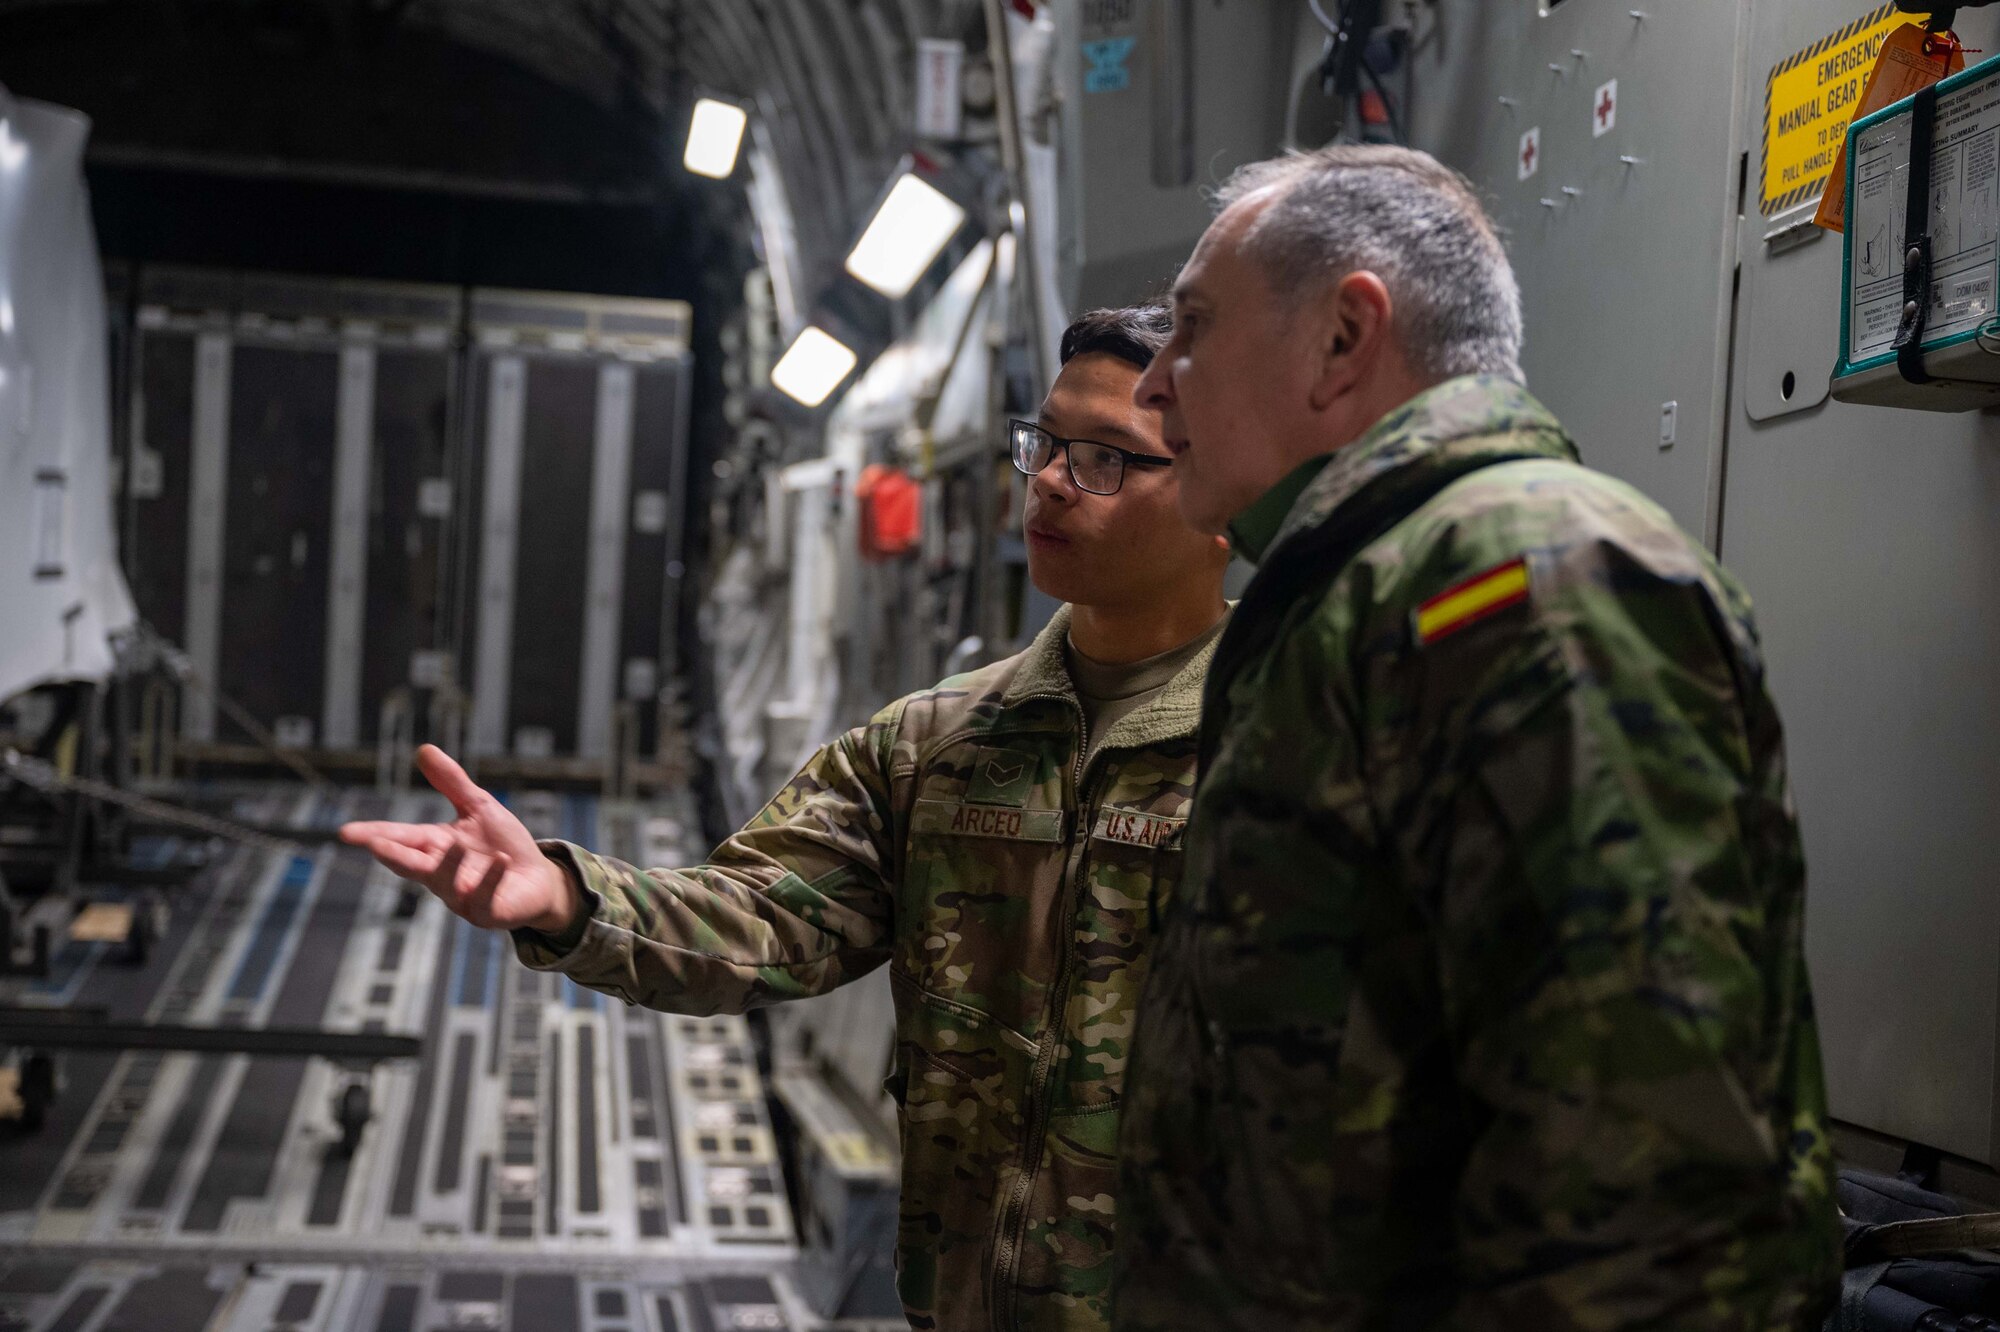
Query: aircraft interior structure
[(521, 378)]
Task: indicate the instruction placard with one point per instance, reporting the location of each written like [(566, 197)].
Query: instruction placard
[(1964, 222), (1808, 101)]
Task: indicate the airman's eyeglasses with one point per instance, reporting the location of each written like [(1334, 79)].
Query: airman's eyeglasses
[(1097, 468)]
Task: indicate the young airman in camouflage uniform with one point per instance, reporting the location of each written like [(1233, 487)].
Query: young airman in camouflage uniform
[(1483, 1002), (1000, 841)]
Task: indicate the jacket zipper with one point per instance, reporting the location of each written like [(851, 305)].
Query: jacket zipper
[(1013, 1218)]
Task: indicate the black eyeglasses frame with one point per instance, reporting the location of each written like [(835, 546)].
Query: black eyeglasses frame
[(1126, 457)]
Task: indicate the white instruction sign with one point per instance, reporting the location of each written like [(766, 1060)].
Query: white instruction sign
[(649, 512), (940, 69), (429, 668), (434, 497), (1964, 222)]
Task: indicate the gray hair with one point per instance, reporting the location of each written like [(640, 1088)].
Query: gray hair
[(1410, 220)]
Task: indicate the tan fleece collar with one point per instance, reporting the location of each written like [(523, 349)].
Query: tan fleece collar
[(1044, 673)]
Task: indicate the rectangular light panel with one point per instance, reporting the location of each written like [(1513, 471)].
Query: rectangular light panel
[(714, 134), (813, 366), (904, 236)]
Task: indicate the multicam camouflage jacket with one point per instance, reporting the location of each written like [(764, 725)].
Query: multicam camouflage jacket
[(1482, 1003), (959, 837)]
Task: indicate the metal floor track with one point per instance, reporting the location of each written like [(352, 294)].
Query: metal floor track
[(555, 1162)]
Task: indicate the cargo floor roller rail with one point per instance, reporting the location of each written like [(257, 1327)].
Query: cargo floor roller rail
[(37, 796), (42, 1031)]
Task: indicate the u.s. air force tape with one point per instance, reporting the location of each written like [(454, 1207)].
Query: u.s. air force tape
[(1133, 828)]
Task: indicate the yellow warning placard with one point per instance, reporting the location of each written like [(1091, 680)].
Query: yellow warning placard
[(1808, 101)]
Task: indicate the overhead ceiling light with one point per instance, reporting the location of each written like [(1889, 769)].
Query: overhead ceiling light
[(13, 151), (813, 366), (903, 237), (714, 134)]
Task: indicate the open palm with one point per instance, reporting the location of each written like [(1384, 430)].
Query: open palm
[(484, 866)]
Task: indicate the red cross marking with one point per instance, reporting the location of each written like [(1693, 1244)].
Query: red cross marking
[(1606, 107), (1528, 154)]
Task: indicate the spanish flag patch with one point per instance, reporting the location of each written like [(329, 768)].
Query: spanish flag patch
[(1473, 600)]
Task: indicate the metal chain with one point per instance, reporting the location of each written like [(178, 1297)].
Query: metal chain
[(149, 644), (43, 777)]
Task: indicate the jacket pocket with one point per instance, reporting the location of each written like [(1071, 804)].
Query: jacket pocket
[(984, 924), (961, 1140), (1111, 951), (1257, 1109), (1065, 1264)]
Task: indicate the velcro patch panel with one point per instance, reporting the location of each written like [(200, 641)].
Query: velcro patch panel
[(954, 818)]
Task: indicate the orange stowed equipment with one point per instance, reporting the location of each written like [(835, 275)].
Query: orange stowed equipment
[(892, 511), (1912, 58)]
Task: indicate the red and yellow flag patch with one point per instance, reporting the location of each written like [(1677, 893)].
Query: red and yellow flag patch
[(1473, 600)]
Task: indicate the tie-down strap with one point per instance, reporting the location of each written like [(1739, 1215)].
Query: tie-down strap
[(1909, 343)]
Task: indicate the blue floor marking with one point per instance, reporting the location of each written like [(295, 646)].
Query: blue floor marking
[(153, 852), (254, 971), (67, 970), (580, 819), (461, 949), (476, 981)]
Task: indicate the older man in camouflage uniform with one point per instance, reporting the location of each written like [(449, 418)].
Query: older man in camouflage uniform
[(1482, 1004), (998, 841)]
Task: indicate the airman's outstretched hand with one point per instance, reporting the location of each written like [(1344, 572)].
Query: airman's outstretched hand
[(484, 866)]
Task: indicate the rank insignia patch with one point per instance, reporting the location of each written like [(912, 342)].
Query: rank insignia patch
[(1473, 600), (1002, 777)]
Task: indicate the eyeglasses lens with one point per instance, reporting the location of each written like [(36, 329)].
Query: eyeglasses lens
[(1096, 468), (1032, 450)]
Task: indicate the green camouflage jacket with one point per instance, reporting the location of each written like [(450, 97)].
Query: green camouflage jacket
[(959, 838), (1483, 1002)]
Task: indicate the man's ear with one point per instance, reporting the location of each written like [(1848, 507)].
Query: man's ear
[(1354, 328)]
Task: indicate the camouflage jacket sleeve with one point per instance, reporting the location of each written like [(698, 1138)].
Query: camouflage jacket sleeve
[(797, 902), (1589, 802)]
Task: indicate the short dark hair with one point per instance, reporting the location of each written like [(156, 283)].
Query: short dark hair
[(1133, 334)]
